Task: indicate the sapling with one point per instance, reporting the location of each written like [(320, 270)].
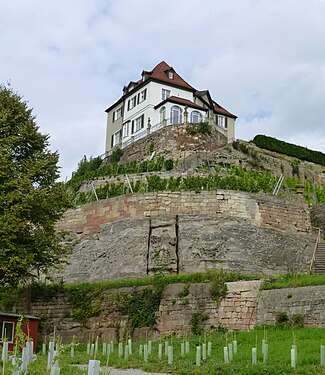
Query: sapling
[(126, 352), (225, 354), (170, 355), (130, 345), (322, 355), (198, 356), (182, 349), (120, 349), (230, 351), (254, 356), (160, 350), (204, 351), (145, 352), (149, 346)]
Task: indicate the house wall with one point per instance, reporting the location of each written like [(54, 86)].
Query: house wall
[(112, 127)]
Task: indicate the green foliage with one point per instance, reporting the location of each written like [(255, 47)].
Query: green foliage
[(140, 306), (283, 320), (289, 149), (218, 288), (31, 200), (117, 153), (200, 128), (185, 292), (235, 178), (114, 169), (197, 322), (86, 300), (293, 281)]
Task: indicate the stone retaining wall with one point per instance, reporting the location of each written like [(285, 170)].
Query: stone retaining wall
[(261, 210), (307, 301), (244, 307), (173, 140)]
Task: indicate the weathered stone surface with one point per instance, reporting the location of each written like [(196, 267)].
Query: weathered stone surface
[(232, 243), (308, 301), (118, 251), (317, 214), (163, 245), (185, 243)]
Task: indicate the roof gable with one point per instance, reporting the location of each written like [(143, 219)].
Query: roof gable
[(160, 73)]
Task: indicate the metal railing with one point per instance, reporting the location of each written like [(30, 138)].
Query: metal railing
[(311, 266)]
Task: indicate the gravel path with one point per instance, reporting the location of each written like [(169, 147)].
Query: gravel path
[(129, 371)]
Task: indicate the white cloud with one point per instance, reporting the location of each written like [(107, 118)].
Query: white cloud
[(261, 59)]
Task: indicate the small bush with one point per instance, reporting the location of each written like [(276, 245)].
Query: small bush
[(297, 320), (117, 153)]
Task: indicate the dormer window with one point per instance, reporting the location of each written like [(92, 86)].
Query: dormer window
[(170, 74)]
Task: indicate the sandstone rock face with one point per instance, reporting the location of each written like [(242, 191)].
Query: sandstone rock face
[(233, 244), (118, 251), (134, 247), (317, 216)]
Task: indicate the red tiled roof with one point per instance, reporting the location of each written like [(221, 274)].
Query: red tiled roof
[(160, 73), (222, 111), (182, 101)]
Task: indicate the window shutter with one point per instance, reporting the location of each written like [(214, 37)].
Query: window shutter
[(132, 127), (138, 98), (128, 104), (145, 94), (226, 122), (142, 121), (112, 141)]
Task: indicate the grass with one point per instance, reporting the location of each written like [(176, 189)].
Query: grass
[(308, 341), (293, 281)]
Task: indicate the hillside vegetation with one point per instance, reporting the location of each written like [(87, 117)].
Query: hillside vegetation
[(254, 178)]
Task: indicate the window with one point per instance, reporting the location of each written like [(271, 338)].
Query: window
[(139, 123), (7, 331), (196, 117), (116, 138), (163, 114), (132, 103), (221, 121), (175, 115), (126, 129), (142, 96), (117, 114), (170, 74), (165, 94)]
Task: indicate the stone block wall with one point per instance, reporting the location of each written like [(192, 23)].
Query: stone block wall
[(308, 301), (236, 311), (175, 140), (261, 210), (243, 308)]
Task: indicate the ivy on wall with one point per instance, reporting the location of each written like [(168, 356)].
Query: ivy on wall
[(140, 306)]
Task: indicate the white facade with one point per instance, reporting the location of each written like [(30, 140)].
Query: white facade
[(154, 103)]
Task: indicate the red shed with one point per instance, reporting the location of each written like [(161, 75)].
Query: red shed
[(8, 324)]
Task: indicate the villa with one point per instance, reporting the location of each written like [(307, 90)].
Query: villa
[(162, 98)]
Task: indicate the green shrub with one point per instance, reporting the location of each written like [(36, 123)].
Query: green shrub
[(197, 322), (117, 153), (289, 149)]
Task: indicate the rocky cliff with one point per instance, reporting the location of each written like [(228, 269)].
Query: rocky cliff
[(183, 232)]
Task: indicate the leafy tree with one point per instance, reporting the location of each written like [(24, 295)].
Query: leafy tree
[(31, 200)]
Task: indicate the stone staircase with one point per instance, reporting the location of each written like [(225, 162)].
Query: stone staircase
[(319, 264)]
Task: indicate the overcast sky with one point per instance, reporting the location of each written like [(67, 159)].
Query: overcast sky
[(263, 60)]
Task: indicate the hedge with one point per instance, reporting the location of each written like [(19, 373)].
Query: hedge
[(289, 149)]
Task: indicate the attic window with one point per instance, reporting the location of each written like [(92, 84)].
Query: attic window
[(170, 74)]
